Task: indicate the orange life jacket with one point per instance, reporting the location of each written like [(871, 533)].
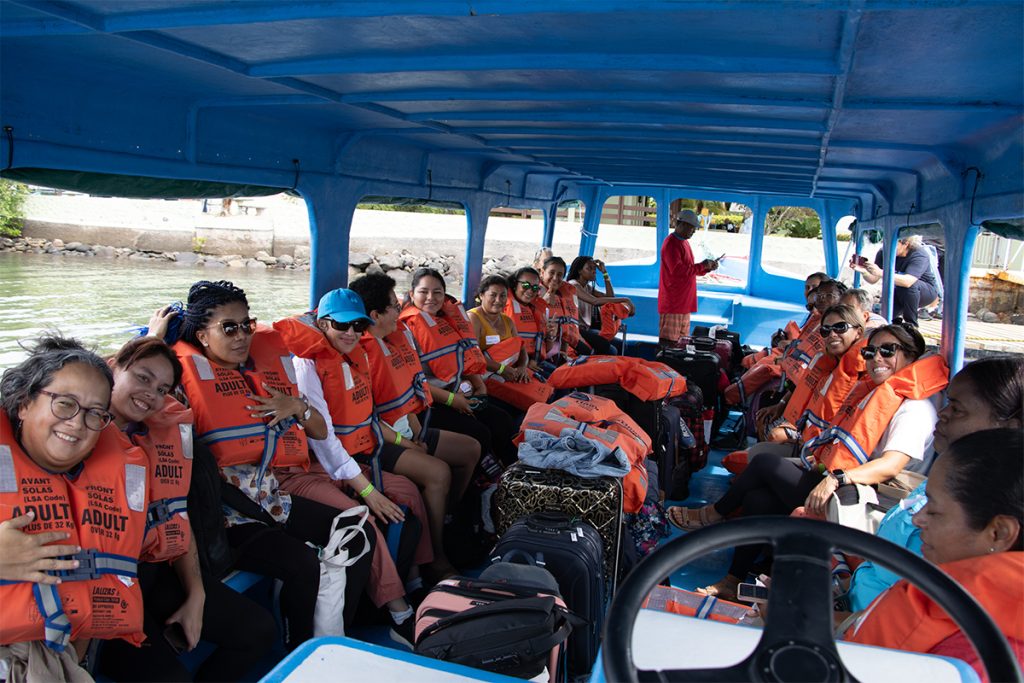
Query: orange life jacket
[(801, 351), (736, 461), (399, 385), (687, 603), (521, 395), (825, 401), (565, 312), (446, 342), (346, 384), (863, 416), (904, 618), (531, 323), (817, 372), (758, 375), (751, 359), (598, 418), (612, 316), (647, 380), (218, 397), (103, 508), (168, 445)]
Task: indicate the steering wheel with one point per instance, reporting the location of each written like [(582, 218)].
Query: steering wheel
[(798, 642)]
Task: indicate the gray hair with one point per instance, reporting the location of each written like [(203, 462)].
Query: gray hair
[(50, 354), (912, 241), (862, 297)]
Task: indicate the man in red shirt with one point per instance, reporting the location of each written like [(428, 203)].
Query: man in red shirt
[(677, 283)]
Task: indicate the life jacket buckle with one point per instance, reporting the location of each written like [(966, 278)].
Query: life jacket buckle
[(86, 569), (158, 513)]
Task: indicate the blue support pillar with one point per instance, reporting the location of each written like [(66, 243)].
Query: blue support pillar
[(331, 205), (960, 237), (591, 222), (755, 272), (550, 218), (892, 234), (477, 213), (828, 235)]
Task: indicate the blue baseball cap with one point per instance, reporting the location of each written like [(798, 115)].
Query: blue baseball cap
[(342, 305)]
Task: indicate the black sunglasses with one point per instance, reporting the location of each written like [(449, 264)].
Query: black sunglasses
[(526, 286), (359, 326), (884, 350), (839, 328), (231, 328)]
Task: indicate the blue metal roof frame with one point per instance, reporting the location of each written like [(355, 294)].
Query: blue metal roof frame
[(875, 107)]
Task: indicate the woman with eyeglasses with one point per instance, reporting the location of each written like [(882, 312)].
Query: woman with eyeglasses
[(884, 422), (563, 332), (81, 487), (176, 591), (402, 399), (454, 367), (529, 313), (582, 275), (248, 411)]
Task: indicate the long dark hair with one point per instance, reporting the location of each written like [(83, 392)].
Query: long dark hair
[(985, 476), (577, 266), (22, 384), (999, 381)]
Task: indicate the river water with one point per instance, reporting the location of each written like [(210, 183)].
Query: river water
[(100, 300)]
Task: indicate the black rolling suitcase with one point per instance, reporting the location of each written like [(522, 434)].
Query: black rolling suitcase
[(524, 490), (735, 362), (573, 552), (699, 367), (645, 413)]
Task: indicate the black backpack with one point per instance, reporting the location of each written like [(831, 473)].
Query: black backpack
[(205, 515)]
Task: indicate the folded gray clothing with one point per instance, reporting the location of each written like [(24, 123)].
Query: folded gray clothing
[(574, 452)]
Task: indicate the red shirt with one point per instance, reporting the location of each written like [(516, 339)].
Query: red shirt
[(677, 282)]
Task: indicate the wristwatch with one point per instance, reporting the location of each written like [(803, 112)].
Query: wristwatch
[(841, 477), (309, 409)]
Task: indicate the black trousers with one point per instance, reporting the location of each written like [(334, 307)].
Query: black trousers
[(282, 553), (771, 485), (601, 346), (906, 300), (242, 630), (491, 426)]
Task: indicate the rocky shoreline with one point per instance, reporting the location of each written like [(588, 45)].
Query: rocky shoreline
[(397, 264)]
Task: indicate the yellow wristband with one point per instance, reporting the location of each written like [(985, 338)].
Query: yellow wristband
[(451, 399), (501, 369), (367, 491), (398, 439)]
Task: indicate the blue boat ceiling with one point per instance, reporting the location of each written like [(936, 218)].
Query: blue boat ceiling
[(878, 109)]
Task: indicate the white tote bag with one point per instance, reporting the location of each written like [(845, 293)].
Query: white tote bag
[(328, 616)]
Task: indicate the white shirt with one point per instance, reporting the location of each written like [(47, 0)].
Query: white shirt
[(909, 430), (331, 454)]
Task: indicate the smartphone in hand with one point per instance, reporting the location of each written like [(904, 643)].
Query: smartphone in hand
[(174, 634), (751, 592)]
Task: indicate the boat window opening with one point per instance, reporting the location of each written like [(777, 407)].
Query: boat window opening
[(399, 235), (568, 233), (512, 239), (628, 233), (995, 295), (724, 230), (929, 291), (845, 248), (793, 245)]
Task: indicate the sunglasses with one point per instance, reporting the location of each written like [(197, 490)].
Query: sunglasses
[(839, 328), (884, 350), (526, 286), (231, 328), (66, 407), (358, 326)]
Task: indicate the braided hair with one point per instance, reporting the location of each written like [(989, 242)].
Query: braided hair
[(203, 297)]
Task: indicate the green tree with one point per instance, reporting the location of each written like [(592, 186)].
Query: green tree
[(12, 203)]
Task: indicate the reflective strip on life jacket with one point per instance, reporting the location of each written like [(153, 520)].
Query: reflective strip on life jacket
[(161, 511)]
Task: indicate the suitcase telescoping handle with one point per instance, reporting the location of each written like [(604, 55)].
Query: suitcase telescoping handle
[(546, 522)]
